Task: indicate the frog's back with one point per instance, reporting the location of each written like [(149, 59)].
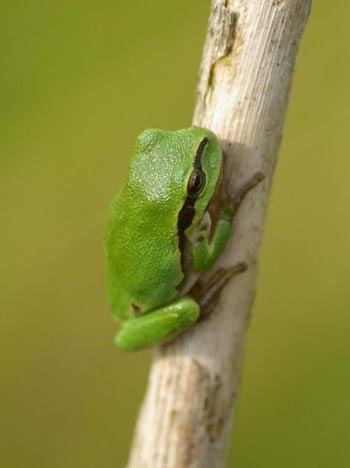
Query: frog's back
[(143, 258), (144, 264)]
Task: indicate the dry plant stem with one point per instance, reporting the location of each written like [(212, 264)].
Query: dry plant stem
[(245, 79)]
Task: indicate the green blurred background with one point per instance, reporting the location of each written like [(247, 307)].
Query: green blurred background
[(78, 81)]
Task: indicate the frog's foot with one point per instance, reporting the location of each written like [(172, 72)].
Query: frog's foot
[(210, 290), (158, 325), (236, 200)]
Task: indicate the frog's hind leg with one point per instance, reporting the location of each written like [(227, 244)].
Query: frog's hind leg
[(208, 292), (158, 325)]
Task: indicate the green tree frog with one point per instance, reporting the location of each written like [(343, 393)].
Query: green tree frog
[(166, 227)]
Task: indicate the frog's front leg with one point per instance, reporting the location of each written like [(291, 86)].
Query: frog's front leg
[(207, 250), (158, 325)]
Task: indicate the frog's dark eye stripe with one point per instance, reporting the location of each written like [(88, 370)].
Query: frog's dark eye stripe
[(195, 185), (200, 150)]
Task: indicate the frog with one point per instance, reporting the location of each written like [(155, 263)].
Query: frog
[(166, 228)]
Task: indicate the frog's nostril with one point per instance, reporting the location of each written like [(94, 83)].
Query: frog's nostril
[(136, 309)]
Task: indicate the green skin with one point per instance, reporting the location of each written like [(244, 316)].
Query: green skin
[(153, 259)]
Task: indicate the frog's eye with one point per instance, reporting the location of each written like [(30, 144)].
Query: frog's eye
[(196, 182)]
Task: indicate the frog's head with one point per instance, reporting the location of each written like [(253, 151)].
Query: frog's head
[(177, 172), (202, 177)]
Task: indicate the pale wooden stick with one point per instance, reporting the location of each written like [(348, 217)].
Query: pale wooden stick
[(245, 78)]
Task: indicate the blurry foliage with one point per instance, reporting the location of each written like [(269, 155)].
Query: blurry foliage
[(78, 81)]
